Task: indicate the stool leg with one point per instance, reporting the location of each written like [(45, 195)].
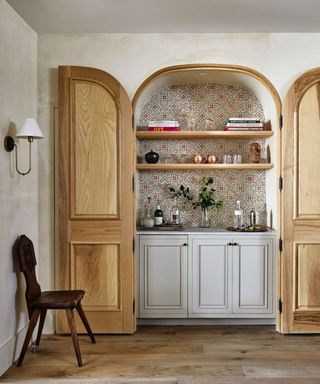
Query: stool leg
[(85, 322), (74, 336), (32, 324), (41, 323)]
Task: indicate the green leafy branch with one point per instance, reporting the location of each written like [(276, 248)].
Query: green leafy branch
[(206, 196)]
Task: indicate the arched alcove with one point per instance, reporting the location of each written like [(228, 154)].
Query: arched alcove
[(254, 84)]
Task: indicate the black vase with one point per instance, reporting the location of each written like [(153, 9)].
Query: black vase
[(152, 157)]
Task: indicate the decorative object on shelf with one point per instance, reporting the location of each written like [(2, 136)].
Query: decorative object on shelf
[(211, 159), (268, 154), (244, 124), (205, 221), (209, 124), (252, 218), (175, 217), (238, 217), (254, 153), (183, 158), (204, 199), (257, 228), (148, 221), (29, 130), (197, 159), (163, 125), (237, 159), (227, 159), (158, 216), (152, 157)]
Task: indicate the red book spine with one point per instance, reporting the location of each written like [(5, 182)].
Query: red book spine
[(163, 129)]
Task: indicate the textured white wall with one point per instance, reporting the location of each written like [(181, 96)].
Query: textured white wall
[(133, 57), (18, 194)]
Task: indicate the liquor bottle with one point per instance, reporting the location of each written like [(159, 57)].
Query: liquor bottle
[(158, 216), (238, 216), (175, 213)]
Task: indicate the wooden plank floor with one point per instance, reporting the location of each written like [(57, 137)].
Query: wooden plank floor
[(190, 354)]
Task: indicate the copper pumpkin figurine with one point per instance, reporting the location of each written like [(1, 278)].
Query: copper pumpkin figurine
[(197, 159), (212, 159)]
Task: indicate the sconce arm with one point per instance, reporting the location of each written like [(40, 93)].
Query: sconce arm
[(17, 167)]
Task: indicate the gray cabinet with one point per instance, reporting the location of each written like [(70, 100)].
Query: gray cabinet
[(163, 276), (210, 275)]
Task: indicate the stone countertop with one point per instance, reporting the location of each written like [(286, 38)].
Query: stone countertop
[(199, 230)]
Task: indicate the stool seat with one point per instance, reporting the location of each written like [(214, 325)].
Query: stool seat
[(58, 299)]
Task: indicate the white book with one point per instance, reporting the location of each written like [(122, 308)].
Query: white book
[(163, 123), (244, 118)]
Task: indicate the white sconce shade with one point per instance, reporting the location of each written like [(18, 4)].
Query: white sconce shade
[(29, 128)]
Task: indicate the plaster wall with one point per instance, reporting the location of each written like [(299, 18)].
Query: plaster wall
[(131, 58), (18, 194)]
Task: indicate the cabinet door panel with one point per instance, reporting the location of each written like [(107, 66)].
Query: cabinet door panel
[(210, 271), (163, 276), (252, 276)]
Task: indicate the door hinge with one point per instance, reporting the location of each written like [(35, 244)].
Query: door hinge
[(133, 184), (134, 306), (280, 245), (133, 245), (280, 305), (281, 121), (281, 183)]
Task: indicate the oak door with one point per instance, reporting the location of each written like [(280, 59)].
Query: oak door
[(96, 202), (301, 207)]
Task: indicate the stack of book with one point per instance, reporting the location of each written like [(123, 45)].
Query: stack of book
[(163, 125), (244, 124)]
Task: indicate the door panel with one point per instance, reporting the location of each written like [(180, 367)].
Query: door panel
[(96, 201), (308, 145), (102, 262), (307, 276), (94, 190), (300, 267), (252, 272), (252, 276), (163, 276), (210, 271)]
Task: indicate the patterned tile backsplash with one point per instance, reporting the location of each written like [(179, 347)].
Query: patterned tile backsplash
[(201, 107)]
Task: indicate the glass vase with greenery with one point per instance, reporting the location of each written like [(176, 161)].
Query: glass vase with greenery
[(204, 199)]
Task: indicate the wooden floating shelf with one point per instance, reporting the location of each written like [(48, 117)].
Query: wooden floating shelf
[(161, 135), (181, 167)]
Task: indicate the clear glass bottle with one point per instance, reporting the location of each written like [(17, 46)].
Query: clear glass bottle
[(148, 219), (238, 216), (158, 216), (175, 213)]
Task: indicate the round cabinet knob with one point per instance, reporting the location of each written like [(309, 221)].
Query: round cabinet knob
[(152, 157)]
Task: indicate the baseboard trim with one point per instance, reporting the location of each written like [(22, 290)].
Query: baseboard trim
[(206, 321), (10, 351)]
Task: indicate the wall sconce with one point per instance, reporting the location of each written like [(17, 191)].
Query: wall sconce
[(29, 130)]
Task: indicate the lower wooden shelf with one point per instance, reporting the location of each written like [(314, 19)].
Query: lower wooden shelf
[(166, 166)]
